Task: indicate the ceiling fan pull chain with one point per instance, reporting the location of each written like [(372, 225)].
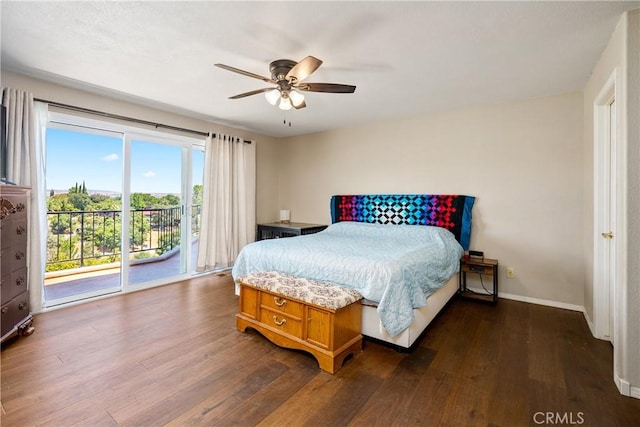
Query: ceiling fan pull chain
[(284, 121)]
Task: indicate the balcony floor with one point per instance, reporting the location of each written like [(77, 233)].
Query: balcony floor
[(138, 273)]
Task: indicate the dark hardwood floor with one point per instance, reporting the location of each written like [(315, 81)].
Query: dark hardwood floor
[(171, 356)]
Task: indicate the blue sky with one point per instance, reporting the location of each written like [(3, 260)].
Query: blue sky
[(97, 160)]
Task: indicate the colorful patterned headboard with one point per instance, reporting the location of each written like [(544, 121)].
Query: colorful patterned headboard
[(452, 212)]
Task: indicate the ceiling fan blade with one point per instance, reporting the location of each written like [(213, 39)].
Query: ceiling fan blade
[(253, 92), (244, 73), (301, 105), (304, 68), (326, 87)]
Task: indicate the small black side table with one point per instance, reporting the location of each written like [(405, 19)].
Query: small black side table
[(276, 230), (483, 267)]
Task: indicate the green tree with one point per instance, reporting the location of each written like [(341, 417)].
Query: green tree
[(139, 229), (107, 236), (60, 224), (80, 201), (142, 200), (58, 203), (59, 248), (108, 204), (169, 200), (197, 194), (78, 189)]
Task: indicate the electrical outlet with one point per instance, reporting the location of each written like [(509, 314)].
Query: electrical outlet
[(510, 272)]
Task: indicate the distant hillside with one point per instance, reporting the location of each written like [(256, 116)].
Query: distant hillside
[(108, 193)]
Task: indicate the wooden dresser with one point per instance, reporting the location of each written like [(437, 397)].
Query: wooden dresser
[(329, 334), (14, 280)]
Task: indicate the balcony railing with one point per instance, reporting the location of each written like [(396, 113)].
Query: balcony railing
[(80, 238)]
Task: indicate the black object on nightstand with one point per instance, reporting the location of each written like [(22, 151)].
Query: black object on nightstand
[(482, 267), (277, 230)]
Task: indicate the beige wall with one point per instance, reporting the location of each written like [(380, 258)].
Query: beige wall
[(523, 162), (622, 54), (266, 147)]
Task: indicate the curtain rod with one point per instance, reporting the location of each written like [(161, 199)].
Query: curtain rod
[(129, 119)]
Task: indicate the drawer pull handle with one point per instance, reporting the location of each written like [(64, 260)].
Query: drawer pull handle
[(19, 255), (279, 323), (23, 305), (20, 281), (279, 301), (5, 309), (20, 229)]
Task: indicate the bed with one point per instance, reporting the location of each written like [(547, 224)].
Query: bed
[(401, 252)]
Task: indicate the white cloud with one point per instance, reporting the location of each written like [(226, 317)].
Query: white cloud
[(110, 157), (150, 174)]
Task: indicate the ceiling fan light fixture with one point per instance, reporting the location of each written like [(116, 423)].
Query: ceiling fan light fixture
[(273, 96), (288, 75), (285, 103), (296, 98)]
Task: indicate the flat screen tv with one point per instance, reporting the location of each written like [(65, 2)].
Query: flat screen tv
[(3, 143)]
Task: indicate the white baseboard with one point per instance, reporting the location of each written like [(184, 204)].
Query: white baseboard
[(537, 301), (623, 386), (589, 323)]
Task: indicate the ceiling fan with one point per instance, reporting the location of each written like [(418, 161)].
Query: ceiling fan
[(288, 77)]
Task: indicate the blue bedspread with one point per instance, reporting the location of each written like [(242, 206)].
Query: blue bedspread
[(397, 266)]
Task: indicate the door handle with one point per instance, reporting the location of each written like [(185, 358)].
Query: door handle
[(608, 235)]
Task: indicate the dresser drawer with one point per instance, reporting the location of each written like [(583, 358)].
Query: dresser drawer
[(12, 284), (281, 304), (13, 206), (282, 322), (14, 312), (13, 232), (13, 258)]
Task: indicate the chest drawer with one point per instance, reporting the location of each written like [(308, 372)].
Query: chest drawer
[(281, 304), (282, 322)]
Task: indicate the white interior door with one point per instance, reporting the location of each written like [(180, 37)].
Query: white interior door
[(611, 216), (604, 280)]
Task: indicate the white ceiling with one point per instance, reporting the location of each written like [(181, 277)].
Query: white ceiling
[(406, 58)]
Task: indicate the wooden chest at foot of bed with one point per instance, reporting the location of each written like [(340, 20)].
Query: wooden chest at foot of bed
[(320, 318)]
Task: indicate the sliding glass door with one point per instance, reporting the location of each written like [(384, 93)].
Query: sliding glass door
[(157, 232), (123, 208), (84, 182)]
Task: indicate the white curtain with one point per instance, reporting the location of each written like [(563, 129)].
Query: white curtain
[(228, 201), (26, 132)]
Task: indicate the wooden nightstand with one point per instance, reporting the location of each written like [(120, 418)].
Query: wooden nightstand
[(482, 267), (276, 230)]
